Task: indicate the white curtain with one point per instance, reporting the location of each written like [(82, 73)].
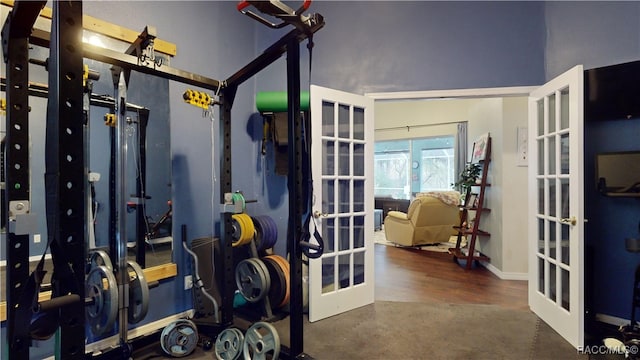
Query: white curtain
[(461, 148)]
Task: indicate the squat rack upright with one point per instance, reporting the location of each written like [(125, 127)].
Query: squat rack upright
[(66, 174)]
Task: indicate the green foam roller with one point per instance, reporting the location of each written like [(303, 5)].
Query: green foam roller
[(276, 101)]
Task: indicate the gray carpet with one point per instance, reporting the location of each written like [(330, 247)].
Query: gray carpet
[(408, 331), (396, 330)]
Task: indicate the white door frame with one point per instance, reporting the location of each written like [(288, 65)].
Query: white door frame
[(478, 93), (454, 93)]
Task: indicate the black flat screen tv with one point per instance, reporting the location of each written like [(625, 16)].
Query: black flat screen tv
[(618, 172), (612, 92)]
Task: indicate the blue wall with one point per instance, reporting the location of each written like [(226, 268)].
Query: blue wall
[(610, 268), (592, 33), (403, 46)]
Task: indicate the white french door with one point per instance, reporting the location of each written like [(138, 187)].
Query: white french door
[(342, 163), (556, 206)]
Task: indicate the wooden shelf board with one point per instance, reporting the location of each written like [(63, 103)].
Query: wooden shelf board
[(476, 209), (460, 255), (111, 30), (470, 231)]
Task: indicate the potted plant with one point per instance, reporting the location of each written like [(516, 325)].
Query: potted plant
[(468, 177)]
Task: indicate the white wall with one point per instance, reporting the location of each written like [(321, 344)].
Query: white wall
[(486, 117), (422, 117), (514, 180), (507, 198)]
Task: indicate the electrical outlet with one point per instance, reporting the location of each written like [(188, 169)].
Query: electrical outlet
[(36, 238), (188, 282)]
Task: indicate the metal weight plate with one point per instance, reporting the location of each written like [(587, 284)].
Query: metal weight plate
[(273, 229), (249, 230), (243, 229), (229, 344), (284, 267), (236, 235), (179, 338), (100, 258), (102, 288), (266, 232), (252, 279), (260, 340), (138, 293), (277, 289), (260, 238)]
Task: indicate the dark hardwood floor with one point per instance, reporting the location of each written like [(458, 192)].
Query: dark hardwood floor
[(412, 275)]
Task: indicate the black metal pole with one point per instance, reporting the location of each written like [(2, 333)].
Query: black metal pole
[(294, 185), (141, 188), (228, 286), (65, 174), (15, 35)]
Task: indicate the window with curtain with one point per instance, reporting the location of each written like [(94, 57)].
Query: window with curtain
[(408, 166)]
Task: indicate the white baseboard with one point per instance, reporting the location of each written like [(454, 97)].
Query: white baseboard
[(145, 329), (612, 320), (505, 275)]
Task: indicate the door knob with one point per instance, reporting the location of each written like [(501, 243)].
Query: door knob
[(569, 221), (318, 214)]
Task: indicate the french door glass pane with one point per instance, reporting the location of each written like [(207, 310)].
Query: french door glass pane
[(540, 120), (358, 159), (344, 127), (358, 195), (565, 255), (358, 267), (344, 155), (345, 196), (328, 119), (358, 232), (564, 154), (328, 160), (564, 109), (328, 196), (552, 239), (552, 282), (540, 236), (343, 234), (541, 166), (564, 198), (344, 263), (541, 283), (328, 235), (328, 274), (552, 113), (541, 196), (551, 156), (358, 123), (552, 198), (565, 285)]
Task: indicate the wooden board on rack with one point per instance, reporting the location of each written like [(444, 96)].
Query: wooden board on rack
[(114, 31), (155, 273)]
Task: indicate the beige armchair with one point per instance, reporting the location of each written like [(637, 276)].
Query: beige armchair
[(429, 220)]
